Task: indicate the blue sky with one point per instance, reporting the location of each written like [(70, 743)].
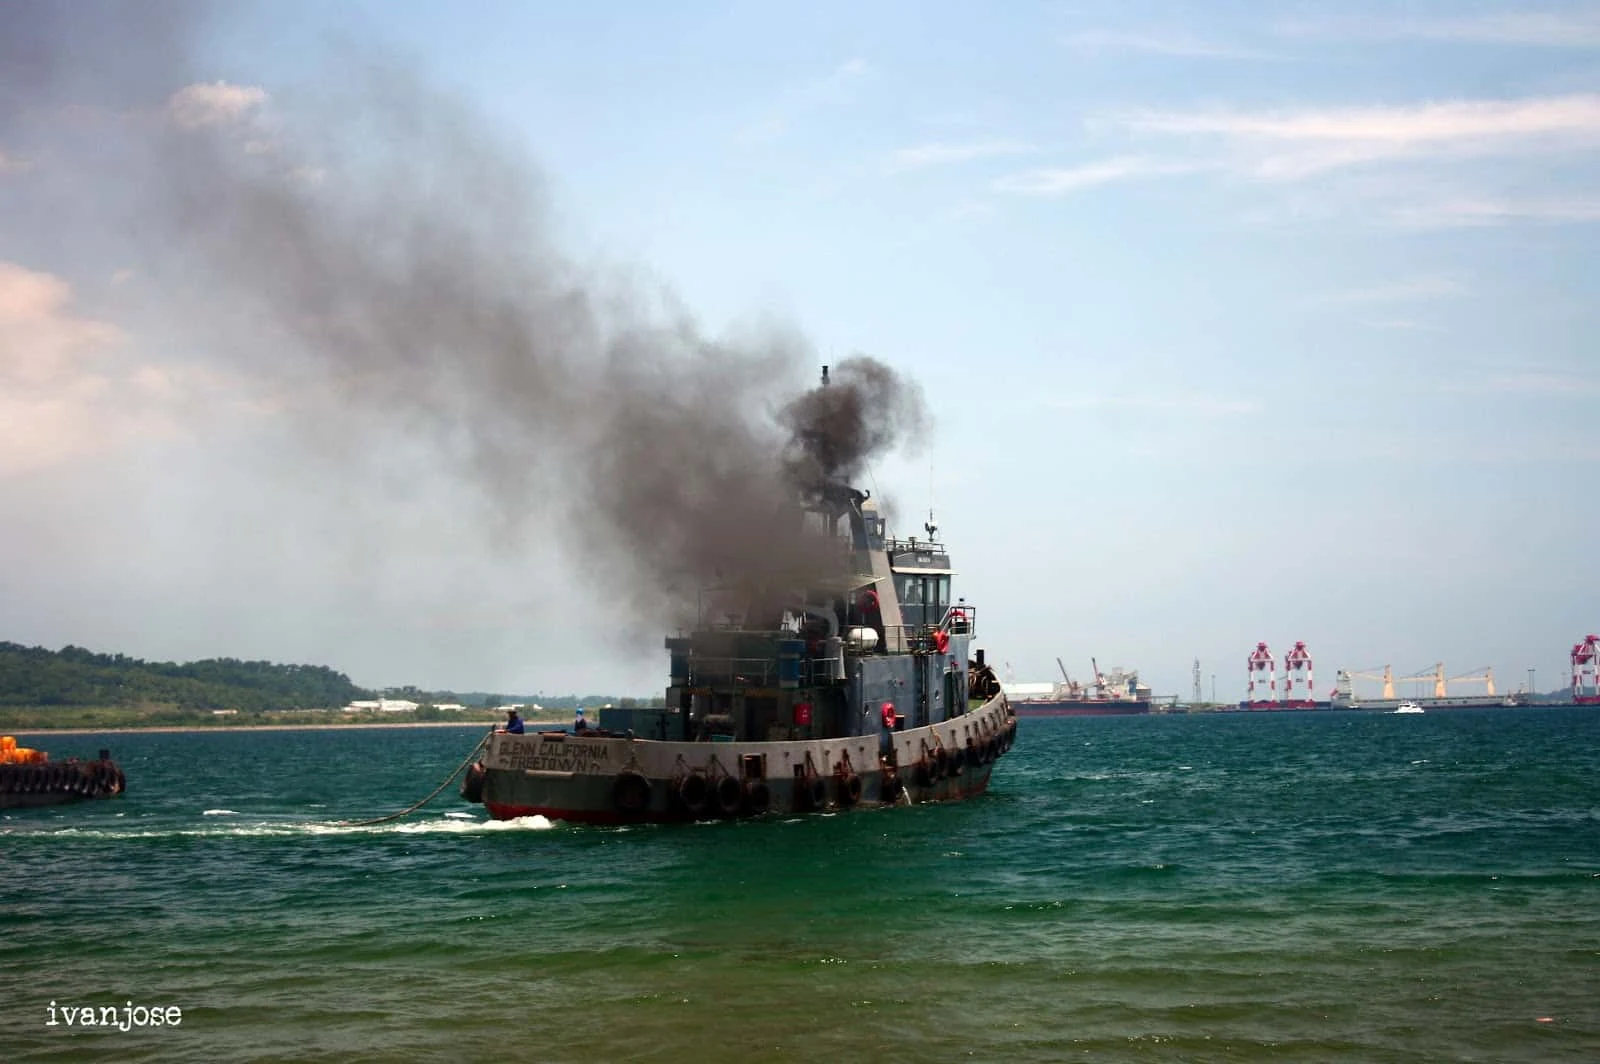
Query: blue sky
[(1239, 322)]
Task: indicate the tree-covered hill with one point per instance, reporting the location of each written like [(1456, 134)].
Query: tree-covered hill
[(73, 676)]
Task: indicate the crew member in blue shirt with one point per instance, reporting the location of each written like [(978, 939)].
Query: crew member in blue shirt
[(513, 722), (578, 723)]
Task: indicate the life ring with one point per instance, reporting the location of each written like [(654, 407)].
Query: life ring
[(941, 640), (694, 791), (889, 716), (630, 793), (728, 794), (757, 797)]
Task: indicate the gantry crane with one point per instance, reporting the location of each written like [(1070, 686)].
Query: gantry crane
[(1387, 676), (1484, 675)]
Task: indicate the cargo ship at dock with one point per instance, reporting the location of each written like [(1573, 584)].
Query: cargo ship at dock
[(1345, 696), (1114, 694)]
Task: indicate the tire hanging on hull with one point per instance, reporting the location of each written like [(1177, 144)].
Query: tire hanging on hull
[(630, 793)]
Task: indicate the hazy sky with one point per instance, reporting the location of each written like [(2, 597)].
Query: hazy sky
[(1235, 321)]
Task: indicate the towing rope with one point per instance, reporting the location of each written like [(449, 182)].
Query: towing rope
[(413, 808)]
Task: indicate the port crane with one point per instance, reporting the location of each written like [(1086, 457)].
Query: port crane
[(1386, 676), (1436, 674), (1484, 675), (1441, 684), (1073, 688)]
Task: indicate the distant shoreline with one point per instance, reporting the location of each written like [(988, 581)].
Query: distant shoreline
[(214, 728)]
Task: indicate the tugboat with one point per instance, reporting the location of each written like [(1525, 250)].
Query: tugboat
[(858, 686), (29, 778)]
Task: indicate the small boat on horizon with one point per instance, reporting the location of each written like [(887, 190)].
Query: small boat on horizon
[(1408, 707)]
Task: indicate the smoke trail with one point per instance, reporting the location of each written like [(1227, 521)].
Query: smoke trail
[(387, 251)]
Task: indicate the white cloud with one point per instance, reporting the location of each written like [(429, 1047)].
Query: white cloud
[(836, 86), (1402, 325), (834, 89), (1197, 403), (941, 154), (1413, 288), (1532, 383), (1289, 145), (1543, 29), (214, 104), (1461, 212), (39, 337), (1177, 45), (49, 395), (71, 387), (1066, 180)]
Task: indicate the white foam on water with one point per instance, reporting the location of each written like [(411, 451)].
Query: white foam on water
[(460, 827), (220, 812), (288, 829)]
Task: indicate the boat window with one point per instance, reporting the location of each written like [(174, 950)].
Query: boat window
[(910, 590)]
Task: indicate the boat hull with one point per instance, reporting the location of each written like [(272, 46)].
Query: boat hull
[(33, 785), (1283, 707), (610, 779), (1429, 705)]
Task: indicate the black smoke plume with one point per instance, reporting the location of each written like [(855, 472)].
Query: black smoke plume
[(366, 245)]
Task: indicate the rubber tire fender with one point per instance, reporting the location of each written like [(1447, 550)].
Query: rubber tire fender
[(728, 795), (757, 797), (630, 793), (694, 791)]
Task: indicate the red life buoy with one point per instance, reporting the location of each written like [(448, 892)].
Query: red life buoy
[(941, 640), (888, 715)]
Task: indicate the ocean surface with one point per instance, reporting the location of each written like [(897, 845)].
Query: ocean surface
[(1306, 886)]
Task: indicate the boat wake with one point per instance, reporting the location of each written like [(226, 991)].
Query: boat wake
[(450, 824)]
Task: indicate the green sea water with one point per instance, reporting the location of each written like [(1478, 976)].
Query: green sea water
[(1316, 886)]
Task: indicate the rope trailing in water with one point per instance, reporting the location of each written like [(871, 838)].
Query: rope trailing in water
[(413, 808)]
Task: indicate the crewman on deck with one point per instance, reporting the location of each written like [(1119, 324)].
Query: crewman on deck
[(513, 723), (578, 723)]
